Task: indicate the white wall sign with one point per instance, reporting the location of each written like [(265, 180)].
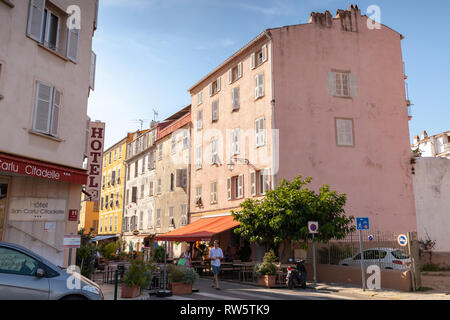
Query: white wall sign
[(37, 209), (72, 241)]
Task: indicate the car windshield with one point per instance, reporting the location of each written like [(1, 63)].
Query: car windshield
[(399, 254)]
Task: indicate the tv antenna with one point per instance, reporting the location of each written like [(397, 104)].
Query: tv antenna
[(155, 114), (141, 121)]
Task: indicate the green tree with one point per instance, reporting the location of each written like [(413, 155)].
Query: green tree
[(284, 214), (85, 258)]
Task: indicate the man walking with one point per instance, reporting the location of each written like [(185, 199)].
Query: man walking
[(216, 254)]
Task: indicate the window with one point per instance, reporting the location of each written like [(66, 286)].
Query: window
[(128, 171), (172, 182), (118, 176), (150, 189), (15, 262), (260, 132), (142, 191), (158, 218), (113, 177), (235, 148), (101, 224), (143, 166), (134, 195), (171, 219), (214, 87), (128, 197), (120, 152), (158, 190), (198, 157), (198, 193), (214, 152), (235, 184), (199, 119), (215, 110), (115, 223), (253, 183), (47, 109), (117, 198), (199, 98), (344, 132), (342, 84), (106, 202), (101, 203), (264, 182), (213, 192), (160, 149), (235, 73), (103, 182), (185, 139), (259, 86), (109, 157), (115, 154), (181, 178), (259, 57), (184, 214), (136, 166), (235, 99), (141, 220), (150, 218), (110, 223)]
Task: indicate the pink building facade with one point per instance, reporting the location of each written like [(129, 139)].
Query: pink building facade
[(331, 96)]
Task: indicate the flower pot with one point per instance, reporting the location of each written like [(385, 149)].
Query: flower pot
[(267, 281), (180, 288), (130, 292)]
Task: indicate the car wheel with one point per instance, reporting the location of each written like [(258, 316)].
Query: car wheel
[(74, 297)]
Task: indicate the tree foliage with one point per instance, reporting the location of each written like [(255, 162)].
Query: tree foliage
[(284, 214)]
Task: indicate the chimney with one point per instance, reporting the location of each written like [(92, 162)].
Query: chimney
[(349, 18), (321, 19)]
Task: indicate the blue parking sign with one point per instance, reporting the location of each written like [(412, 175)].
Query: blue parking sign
[(362, 224)]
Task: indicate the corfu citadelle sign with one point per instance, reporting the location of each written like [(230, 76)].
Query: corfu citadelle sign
[(95, 159)]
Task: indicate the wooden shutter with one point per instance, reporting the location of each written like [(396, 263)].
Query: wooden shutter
[(36, 19), (235, 98), (331, 83), (210, 90), (73, 40), (218, 84), (184, 178), (239, 70), (264, 53), (241, 186), (43, 108), (215, 110), (252, 61), (179, 174), (55, 112), (230, 76), (256, 87), (253, 183), (261, 85), (93, 68), (353, 87), (229, 188)]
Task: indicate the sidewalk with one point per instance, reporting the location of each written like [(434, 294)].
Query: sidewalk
[(327, 289)]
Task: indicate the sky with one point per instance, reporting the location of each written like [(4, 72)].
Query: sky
[(150, 52)]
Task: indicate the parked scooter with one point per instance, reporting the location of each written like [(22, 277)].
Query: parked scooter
[(296, 275)]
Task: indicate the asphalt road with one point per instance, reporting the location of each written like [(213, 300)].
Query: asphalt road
[(235, 291)]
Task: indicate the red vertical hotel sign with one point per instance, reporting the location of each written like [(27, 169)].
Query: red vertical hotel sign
[(95, 159)]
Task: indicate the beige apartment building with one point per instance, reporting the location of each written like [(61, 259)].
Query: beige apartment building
[(172, 176), (46, 73)]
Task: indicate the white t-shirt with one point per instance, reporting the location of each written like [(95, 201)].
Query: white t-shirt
[(215, 253)]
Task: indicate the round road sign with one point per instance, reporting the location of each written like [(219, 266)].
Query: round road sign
[(402, 240), (313, 226)]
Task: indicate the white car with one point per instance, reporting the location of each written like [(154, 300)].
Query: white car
[(385, 258)]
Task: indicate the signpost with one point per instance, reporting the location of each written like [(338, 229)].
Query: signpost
[(71, 241), (313, 227), (362, 224), (402, 240)]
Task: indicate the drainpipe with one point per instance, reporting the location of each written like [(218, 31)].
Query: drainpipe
[(272, 103)]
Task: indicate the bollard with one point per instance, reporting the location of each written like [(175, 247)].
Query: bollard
[(116, 280)]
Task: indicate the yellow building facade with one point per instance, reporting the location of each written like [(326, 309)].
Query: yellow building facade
[(112, 189)]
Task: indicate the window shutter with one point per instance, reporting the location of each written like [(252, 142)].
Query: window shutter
[(179, 174), (237, 141), (73, 40), (252, 61), (218, 84), (257, 133), (36, 19), (241, 186), (55, 112), (331, 82), (235, 98), (253, 183), (262, 134), (264, 53), (229, 188), (43, 108), (256, 86), (230, 76), (215, 110), (93, 67), (210, 89), (184, 178), (199, 119), (239, 69), (353, 87), (261, 85)]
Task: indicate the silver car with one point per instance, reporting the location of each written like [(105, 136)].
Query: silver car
[(386, 258), (25, 275)]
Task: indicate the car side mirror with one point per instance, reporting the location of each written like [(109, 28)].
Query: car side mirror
[(40, 273)]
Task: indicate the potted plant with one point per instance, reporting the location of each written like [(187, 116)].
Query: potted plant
[(267, 270), (137, 276), (181, 279)]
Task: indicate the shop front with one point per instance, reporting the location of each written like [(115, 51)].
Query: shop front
[(39, 205)]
